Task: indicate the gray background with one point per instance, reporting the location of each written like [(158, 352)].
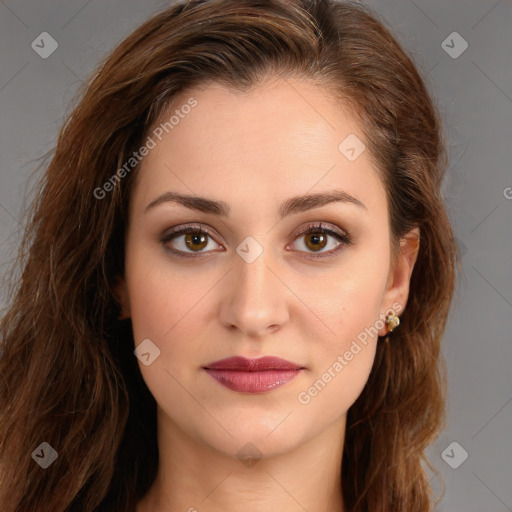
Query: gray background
[(474, 92)]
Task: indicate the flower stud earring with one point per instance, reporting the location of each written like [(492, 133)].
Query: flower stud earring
[(392, 321)]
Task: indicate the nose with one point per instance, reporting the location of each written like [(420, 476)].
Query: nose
[(255, 299)]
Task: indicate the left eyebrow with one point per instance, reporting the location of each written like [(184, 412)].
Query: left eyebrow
[(291, 206)]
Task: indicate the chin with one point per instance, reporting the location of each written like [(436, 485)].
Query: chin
[(254, 438)]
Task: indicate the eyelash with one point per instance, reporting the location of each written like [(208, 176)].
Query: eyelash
[(343, 237)]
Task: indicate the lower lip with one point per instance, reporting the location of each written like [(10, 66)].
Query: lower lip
[(253, 382)]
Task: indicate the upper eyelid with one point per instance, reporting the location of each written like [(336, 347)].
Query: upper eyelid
[(180, 230), (209, 230)]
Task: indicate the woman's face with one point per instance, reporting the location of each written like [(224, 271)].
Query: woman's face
[(258, 284)]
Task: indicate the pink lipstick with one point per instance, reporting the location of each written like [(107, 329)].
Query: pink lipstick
[(253, 375)]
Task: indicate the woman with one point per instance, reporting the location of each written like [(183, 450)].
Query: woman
[(236, 275)]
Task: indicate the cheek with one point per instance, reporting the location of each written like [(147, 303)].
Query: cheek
[(343, 358), (342, 362), (162, 297), (351, 299), (164, 307), (332, 391)]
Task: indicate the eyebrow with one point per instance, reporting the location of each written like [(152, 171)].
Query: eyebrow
[(292, 205)]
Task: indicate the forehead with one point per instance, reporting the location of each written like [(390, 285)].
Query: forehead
[(283, 136)]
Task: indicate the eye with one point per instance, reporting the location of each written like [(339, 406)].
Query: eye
[(189, 241), (193, 240), (316, 238)]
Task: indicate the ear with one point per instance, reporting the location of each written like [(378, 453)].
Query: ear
[(397, 288), (121, 293)]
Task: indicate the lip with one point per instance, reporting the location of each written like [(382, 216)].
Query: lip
[(264, 363), (253, 375)]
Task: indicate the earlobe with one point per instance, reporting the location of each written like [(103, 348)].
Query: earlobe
[(121, 293)]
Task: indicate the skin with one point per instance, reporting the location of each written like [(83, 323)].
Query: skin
[(254, 151)]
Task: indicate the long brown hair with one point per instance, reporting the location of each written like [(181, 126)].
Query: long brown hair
[(68, 373)]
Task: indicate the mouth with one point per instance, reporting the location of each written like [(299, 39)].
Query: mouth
[(253, 375)]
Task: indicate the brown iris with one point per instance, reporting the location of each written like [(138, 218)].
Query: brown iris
[(194, 239), (315, 240)]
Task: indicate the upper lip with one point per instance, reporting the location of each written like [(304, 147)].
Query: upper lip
[(253, 365)]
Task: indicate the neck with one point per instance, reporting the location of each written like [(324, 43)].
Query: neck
[(195, 477)]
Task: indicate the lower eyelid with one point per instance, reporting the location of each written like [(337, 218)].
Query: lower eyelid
[(343, 238)]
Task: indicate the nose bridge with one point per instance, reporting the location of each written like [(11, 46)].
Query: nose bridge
[(253, 278), (255, 300)]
